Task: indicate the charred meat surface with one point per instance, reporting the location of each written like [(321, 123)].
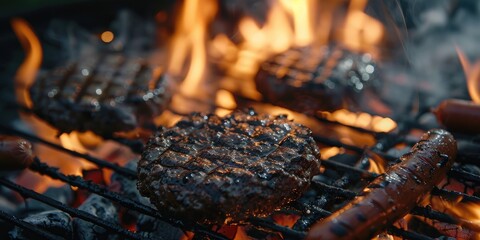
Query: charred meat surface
[(393, 194), (103, 94), (316, 78), (210, 169)]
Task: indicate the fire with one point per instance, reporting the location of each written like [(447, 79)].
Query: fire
[(329, 152), (189, 40), (376, 166), (362, 120), (225, 101), (28, 69), (286, 220), (361, 32), (472, 73), (467, 212)]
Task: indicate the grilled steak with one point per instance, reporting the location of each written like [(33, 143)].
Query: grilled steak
[(315, 78), (104, 94), (210, 169)]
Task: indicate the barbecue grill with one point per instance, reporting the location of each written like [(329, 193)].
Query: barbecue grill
[(342, 177), (332, 188)]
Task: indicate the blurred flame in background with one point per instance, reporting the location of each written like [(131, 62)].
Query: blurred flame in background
[(188, 43), (362, 120), (472, 73), (33, 58)]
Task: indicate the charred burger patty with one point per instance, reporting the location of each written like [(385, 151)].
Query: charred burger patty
[(208, 169), (101, 93)]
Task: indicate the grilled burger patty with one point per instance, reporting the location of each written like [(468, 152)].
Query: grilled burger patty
[(104, 94), (207, 168), (316, 78)]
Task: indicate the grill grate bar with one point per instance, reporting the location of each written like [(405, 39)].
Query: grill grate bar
[(287, 232), (359, 150), (77, 181), (432, 214), (99, 162), (407, 234), (347, 168), (28, 226), (323, 119), (333, 190), (463, 196), (462, 174), (25, 192)]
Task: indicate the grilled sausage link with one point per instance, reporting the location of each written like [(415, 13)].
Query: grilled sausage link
[(392, 195), (15, 153), (459, 115)]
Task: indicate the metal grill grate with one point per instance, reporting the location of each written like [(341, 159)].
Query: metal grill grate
[(328, 195)]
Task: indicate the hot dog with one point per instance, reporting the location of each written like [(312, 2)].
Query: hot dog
[(459, 115), (392, 195), (15, 153)]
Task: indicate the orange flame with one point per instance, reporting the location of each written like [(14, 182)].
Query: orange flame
[(467, 212), (329, 152), (472, 73), (362, 120), (225, 101), (376, 166), (361, 32), (286, 220), (28, 69), (189, 40)]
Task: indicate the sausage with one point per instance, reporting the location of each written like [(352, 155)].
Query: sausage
[(15, 153), (392, 195), (459, 115)]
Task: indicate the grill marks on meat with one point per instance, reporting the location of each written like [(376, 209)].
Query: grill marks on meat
[(104, 94), (208, 169), (315, 78)]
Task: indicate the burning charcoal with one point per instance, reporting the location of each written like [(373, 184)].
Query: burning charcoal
[(62, 194), (56, 222), (154, 229), (99, 207), (208, 169), (128, 188), (309, 79), (103, 94)]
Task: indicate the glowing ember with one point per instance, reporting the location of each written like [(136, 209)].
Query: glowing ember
[(107, 36), (362, 120), (287, 220), (472, 73)]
